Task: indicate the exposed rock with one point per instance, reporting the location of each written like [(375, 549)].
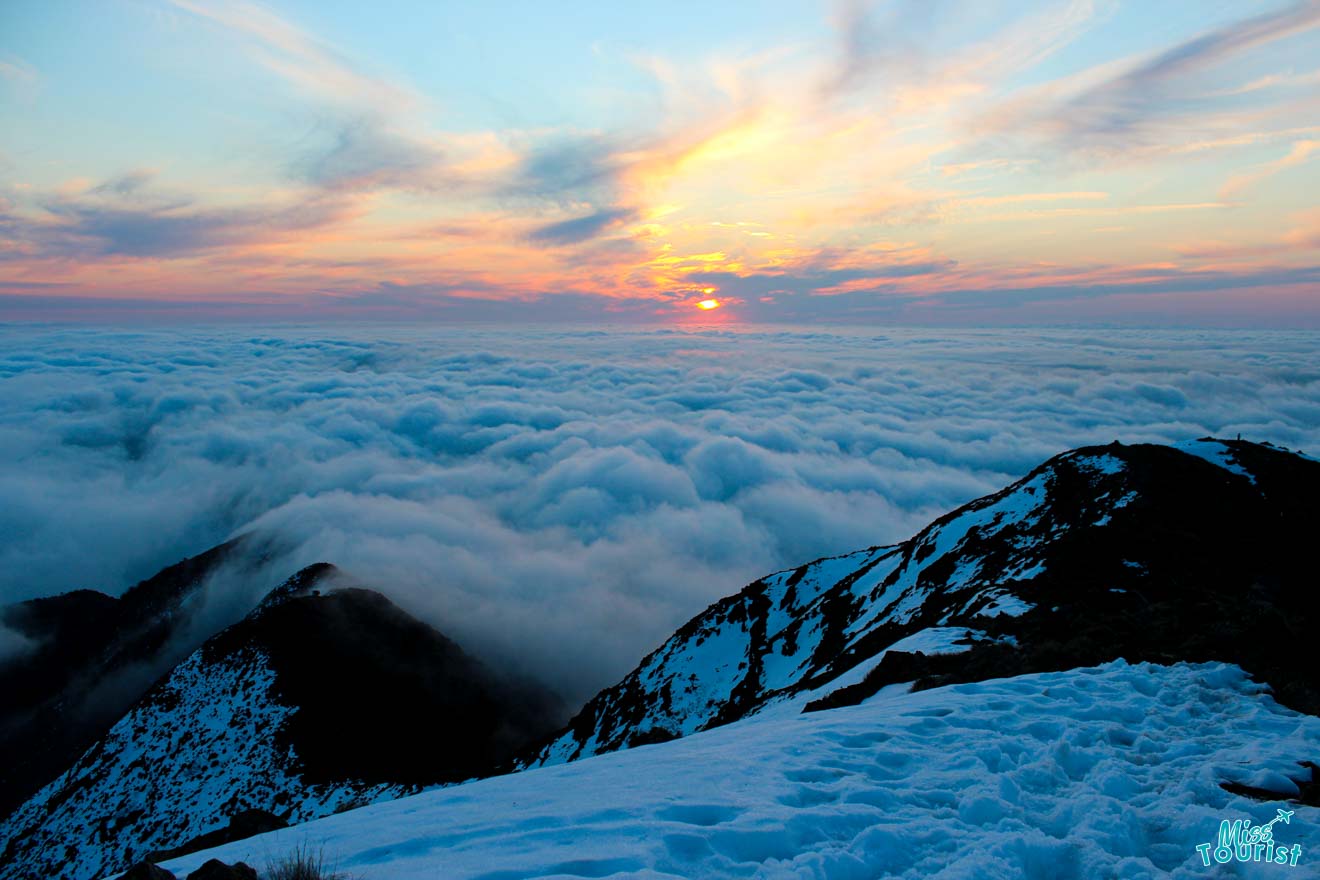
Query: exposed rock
[(218, 870), (894, 666), (244, 824), (147, 871)]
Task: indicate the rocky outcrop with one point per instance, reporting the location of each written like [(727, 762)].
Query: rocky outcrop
[(241, 826), (218, 870)]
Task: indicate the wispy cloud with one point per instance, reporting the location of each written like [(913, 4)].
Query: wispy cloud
[(15, 70), (301, 58), (1123, 104), (128, 217), (20, 78), (568, 169), (895, 47), (1026, 198), (368, 139), (365, 153), (581, 228), (1301, 152), (1273, 81), (1301, 236)]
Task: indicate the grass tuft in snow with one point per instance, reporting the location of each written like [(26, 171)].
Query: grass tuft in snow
[(303, 863)]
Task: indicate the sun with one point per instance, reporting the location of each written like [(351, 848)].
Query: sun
[(708, 304)]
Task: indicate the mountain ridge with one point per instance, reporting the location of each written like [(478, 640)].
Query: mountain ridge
[(1088, 522)]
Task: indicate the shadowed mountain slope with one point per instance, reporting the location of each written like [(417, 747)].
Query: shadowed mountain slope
[(313, 703), (92, 657)]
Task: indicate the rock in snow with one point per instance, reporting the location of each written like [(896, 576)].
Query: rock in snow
[(218, 870), (147, 871)]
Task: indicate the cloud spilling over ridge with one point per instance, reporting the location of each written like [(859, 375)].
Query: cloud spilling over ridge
[(13, 644), (564, 499)]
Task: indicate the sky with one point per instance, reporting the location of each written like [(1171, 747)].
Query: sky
[(989, 162), (559, 500)]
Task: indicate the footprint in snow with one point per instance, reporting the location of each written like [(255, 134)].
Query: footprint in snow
[(704, 815)]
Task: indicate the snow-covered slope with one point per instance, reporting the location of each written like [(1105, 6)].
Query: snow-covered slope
[(1099, 553), (196, 751), (1112, 771), (311, 704)]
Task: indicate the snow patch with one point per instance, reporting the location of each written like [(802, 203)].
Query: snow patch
[(938, 640), (932, 640), (1101, 464), (1217, 453), (1006, 604)]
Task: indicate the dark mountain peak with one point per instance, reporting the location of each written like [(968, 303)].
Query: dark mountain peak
[(1196, 551), (314, 702), (61, 623), (305, 581), (353, 647)]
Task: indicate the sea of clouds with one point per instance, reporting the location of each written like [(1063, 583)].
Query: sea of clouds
[(561, 500)]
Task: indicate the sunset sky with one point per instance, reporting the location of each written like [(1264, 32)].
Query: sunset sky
[(933, 162)]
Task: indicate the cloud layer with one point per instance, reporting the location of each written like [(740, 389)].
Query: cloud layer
[(564, 499)]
